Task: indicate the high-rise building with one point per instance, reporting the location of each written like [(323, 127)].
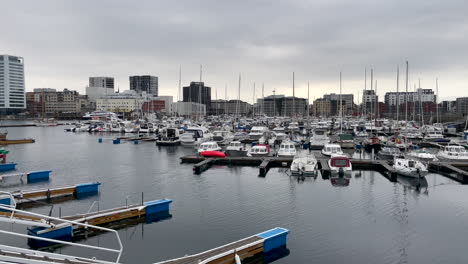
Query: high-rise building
[(346, 99), (102, 82), (144, 83), (462, 105), (12, 92), (369, 100), (197, 92), (280, 105), (420, 99), (98, 87)]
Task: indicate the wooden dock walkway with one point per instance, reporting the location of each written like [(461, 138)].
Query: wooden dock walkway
[(451, 170), (248, 247)]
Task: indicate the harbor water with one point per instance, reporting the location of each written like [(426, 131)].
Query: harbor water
[(371, 220)]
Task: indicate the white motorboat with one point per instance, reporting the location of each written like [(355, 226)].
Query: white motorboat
[(79, 127), (388, 153), (340, 166), (287, 149), (195, 136), (209, 146), (305, 165), (453, 153), (422, 155), (346, 140), (259, 151), (241, 136), (236, 149), (436, 136), (168, 136), (410, 167), (223, 137), (144, 128), (318, 139), (256, 132), (330, 149)]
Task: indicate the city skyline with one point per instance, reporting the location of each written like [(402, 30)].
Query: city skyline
[(319, 40)]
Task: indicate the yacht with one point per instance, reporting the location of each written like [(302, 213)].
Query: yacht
[(453, 153), (410, 167), (287, 149), (388, 153), (168, 136), (256, 132), (236, 149), (259, 151), (330, 149), (209, 146), (340, 165), (318, 139), (79, 127), (305, 165)]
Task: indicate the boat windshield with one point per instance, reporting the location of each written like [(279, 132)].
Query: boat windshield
[(340, 162), (411, 163)]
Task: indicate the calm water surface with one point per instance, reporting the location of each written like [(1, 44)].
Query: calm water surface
[(370, 221)]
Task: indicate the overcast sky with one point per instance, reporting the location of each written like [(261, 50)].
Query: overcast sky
[(65, 42)]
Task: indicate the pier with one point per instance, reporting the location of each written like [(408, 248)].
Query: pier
[(454, 170), (235, 252)]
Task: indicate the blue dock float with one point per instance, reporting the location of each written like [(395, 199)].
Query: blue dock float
[(116, 141), (86, 189), (274, 238), (37, 176), (7, 167), (64, 233)]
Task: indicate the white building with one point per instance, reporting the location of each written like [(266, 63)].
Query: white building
[(420, 95), (189, 109), (99, 87), (12, 92), (168, 101), (127, 101)]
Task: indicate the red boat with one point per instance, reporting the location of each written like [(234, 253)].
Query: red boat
[(211, 153)]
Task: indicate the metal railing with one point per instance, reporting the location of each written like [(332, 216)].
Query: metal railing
[(11, 218)]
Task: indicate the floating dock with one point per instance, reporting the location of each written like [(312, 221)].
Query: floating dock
[(149, 211), (7, 167), (24, 178), (34, 198), (16, 141), (263, 243), (457, 171)]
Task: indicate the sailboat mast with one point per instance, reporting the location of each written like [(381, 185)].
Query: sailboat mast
[(253, 101), (180, 88), (364, 103), (436, 99), (238, 97), (341, 109), (406, 103), (263, 99), (294, 102), (200, 93), (308, 102), (225, 99), (372, 88)]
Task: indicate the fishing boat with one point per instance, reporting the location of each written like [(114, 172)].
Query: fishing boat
[(304, 165), (209, 146), (318, 139), (168, 136), (259, 151), (340, 166), (453, 153), (287, 149), (388, 153), (410, 167), (236, 149), (330, 149)]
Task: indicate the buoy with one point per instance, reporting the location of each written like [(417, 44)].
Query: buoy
[(116, 141), (135, 141), (100, 140)]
